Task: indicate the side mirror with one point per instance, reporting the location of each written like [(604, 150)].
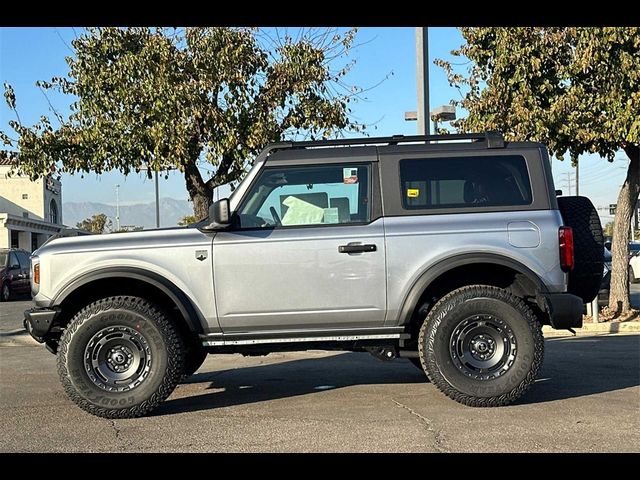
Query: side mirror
[(219, 216)]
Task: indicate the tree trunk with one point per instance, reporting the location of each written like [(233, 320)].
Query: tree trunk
[(619, 290), (201, 194)]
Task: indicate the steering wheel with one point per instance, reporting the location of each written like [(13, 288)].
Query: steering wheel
[(276, 217)]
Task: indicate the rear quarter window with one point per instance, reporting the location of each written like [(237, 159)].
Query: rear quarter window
[(464, 182)]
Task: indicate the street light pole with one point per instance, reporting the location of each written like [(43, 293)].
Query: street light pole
[(422, 79), (157, 201), (117, 206)]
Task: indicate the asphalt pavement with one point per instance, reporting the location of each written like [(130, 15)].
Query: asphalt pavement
[(586, 399)]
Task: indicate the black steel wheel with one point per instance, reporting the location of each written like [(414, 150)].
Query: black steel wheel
[(120, 357), (117, 358), (481, 346)]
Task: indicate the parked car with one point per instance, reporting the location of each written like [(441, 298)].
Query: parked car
[(603, 294), (634, 268), (14, 273)]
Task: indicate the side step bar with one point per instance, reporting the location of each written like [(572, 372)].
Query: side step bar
[(220, 340)]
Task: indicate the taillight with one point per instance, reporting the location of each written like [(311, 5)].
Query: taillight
[(36, 274), (565, 240)]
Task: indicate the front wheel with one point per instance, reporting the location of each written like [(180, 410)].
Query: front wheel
[(120, 357), (481, 346)]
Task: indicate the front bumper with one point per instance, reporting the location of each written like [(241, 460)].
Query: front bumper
[(564, 310), (38, 322)]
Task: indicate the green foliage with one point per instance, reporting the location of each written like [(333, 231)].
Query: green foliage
[(575, 89), (187, 220), (97, 223), (199, 97)]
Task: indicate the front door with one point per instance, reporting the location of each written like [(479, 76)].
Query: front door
[(305, 253)]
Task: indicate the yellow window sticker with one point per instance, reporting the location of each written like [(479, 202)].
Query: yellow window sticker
[(413, 192)]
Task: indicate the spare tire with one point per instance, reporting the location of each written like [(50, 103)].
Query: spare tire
[(586, 277)]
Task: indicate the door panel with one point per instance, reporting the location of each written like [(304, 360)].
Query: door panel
[(296, 278), (25, 284), (14, 272)]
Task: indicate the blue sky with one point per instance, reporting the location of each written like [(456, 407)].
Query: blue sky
[(30, 54)]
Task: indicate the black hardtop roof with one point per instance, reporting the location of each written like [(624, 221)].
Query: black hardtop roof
[(369, 146)]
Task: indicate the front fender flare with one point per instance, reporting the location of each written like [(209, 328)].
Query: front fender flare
[(190, 312)]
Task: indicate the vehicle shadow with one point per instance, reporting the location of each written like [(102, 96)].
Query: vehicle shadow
[(292, 378), (574, 367), (581, 366)]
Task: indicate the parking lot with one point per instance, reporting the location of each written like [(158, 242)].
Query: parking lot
[(586, 399)]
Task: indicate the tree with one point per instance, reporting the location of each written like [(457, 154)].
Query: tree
[(96, 224), (187, 220), (575, 89), (192, 99)]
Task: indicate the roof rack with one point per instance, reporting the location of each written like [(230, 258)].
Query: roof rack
[(493, 138)]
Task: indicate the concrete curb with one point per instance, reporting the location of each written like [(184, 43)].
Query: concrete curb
[(595, 328)]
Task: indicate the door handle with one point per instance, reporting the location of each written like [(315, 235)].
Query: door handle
[(357, 248)]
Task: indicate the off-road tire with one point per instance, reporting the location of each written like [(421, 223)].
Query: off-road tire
[(588, 240), (150, 326), (448, 317)]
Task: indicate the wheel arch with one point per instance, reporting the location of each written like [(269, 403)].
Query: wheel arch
[(528, 282), (126, 280)]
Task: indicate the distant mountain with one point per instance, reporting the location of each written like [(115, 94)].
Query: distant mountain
[(141, 214)]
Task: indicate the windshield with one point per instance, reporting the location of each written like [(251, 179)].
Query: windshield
[(3, 259)]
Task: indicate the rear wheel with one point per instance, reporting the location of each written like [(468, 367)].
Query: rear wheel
[(120, 357), (481, 346)]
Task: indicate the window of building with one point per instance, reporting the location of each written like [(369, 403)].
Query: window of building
[(14, 239), (312, 195), (25, 196), (462, 182), (53, 212)]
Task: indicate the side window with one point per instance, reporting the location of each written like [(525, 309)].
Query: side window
[(462, 182), (311, 195), (14, 263), (23, 258)]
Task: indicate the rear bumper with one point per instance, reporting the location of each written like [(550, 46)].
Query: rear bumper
[(38, 322), (564, 310)]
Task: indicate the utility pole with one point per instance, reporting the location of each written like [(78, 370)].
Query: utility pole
[(422, 79), (568, 174), (117, 207), (577, 177)]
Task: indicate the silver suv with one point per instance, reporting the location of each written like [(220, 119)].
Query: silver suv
[(450, 251)]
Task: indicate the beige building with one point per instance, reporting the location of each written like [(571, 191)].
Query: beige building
[(30, 211)]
